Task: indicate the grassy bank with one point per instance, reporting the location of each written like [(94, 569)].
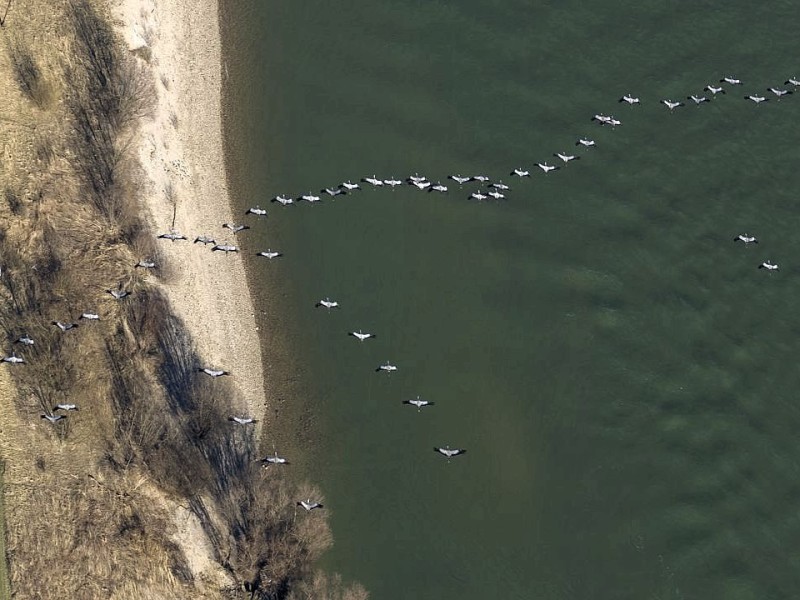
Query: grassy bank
[(151, 435)]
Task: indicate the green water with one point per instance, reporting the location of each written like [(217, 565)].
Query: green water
[(622, 375)]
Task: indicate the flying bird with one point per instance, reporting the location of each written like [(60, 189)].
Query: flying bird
[(243, 420), (327, 303), (438, 187), (225, 248), (374, 181), (792, 81), (361, 336), (350, 186), (586, 143), (448, 453), (118, 294), (779, 93), (566, 157), (235, 228), (480, 178), (275, 460), (672, 105), (697, 99), (25, 339), (497, 195), (145, 264), (13, 359), (421, 185), (768, 266), (387, 368), (270, 254), (419, 403), (54, 418), (756, 99), (310, 198), (714, 90), (90, 316), (64, 326), (459, 179), (66, 407), (309, 505), (204, 239), (333, 191), (256, 210), (521, 173), (546, 168), (416, 178), (172, 236), (731, 80), (283, 200), (213, 373), (747, 239), (499, 185), (392, 182), (478, 196), (631, 100)]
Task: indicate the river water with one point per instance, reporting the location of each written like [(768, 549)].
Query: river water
[(622, 375)]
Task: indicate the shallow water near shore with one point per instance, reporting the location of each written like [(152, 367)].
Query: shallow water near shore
[(619, 370)]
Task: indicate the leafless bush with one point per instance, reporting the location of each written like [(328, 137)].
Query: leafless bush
[(29, 76)]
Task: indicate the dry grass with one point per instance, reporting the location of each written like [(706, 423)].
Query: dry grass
[(90, 502)]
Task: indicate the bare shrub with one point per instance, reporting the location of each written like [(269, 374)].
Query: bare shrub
[(29, 76)]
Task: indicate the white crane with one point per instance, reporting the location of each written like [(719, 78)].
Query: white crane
[(387, 368), (87, 316), (449, 453), (438, 187), (204, 239), (256, 210), (768, 266), (373, 181), (631, 100), (118, 294), (283, 200), (361, 336), (697, 99), (350, 186), (243, 420), (747, 239), (54, 418), (521, 173), (235, 227), (270, 254), (13, 359), (731, 80), (756, 99), (67, 407), (779, 92), (546, 168), (478, 196), (145, 264), (225, 248), (496, 194), (714, 90), (64, 326), (480, 178), (460, 180), (392, 182), (172, 236), (327, 303), (213, 373), (310, 198), (309, 505), (566, 157), (419, 403), (586, 143), (275, 460), (25, 339), (671, 105), (333, 191)]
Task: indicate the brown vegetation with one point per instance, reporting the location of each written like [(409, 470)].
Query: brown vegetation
[(92, 497)]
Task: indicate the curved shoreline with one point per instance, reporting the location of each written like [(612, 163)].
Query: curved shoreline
[(182, 152)]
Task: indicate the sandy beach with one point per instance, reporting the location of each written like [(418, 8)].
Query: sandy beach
[(181, 150)]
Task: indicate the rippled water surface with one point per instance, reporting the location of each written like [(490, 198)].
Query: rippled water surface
[(623, 376)]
